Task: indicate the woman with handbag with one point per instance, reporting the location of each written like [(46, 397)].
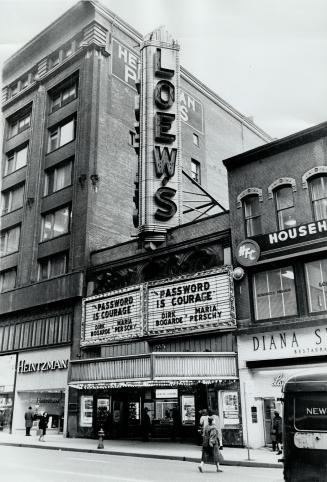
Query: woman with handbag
[(210, 447), (43, 424)]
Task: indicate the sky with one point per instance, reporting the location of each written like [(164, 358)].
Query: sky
[(267, 58)]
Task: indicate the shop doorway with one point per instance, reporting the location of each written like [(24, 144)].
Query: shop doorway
[(269, 407)]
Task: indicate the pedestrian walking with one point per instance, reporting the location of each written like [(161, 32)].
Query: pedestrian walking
[(203, 420), (216, 422), (277, 430), (210, 447), (145, 425), (29, 417), (43, 425)]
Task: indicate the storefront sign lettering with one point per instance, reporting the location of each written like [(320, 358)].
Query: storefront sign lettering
[(28, 367)]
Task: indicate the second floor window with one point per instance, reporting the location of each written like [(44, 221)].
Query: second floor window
[(274, 294), (318, 188), (316, 278), (18, 125), (252, 216), (285, 207), (12, 199), (195, 171), (54, 266), (58, 178), (15, 160), (7, 280), (55, 223), (9, 241), (61, 135)]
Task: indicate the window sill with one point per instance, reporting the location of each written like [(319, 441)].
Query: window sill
[(54, 237), (60, 147)]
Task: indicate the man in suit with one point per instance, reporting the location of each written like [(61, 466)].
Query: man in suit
[(29, 417)]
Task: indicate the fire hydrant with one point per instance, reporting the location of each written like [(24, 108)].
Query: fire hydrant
[(101, 435)]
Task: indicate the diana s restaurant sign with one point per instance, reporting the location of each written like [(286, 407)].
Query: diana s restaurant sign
[(186, 303)]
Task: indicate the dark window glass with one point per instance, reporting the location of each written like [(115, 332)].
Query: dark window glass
[(318, 187), (310, 412), (54, 266), (58, 178), (274, 293), (8, 280), (195, 171), (252, 216)]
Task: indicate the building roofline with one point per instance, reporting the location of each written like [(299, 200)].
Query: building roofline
[(294, 140)]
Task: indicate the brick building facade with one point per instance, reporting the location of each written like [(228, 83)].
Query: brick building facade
[(278, 221), (68, 182)]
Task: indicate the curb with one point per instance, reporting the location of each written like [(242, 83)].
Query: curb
[(237, 463)]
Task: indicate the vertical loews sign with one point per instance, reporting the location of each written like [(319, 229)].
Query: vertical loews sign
[(160, 168)]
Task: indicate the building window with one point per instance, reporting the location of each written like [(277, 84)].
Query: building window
[(9, 241), (15, 160), (54, 266), (13, 90), (318, 189), (196, 140), (64, 94), (252, 215), (274, 294), (55, 223), (54, 60), (20, 124), (195, 171), (7, 280), (24, 82), (58, 178), (285, 207), (68, 50), (316, 278), (132, 138), (12, 199), (61, 135)]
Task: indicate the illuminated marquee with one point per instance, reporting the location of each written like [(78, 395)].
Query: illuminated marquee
[(190, 303), (114, 316), (160, 170)]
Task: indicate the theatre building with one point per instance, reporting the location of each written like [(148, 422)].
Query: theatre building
[(72, 181), (158, 331), (278, 196)]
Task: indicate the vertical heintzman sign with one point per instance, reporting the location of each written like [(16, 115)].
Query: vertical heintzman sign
[(160, 169)]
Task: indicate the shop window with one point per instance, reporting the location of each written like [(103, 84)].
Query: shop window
[(252, 215), (316, 281), (318, 191), (274, 293), (19, 124), (9, 241), (8, 280), (58, 178), (12, 199), (61, 135), (285, 207), (195, 171), (55, 223), (53, 266), (196, 140), (16, 160), (64, 94)]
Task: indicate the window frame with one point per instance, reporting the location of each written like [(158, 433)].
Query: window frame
[(3, 274), (9, 192), (308, 289), (13, 155), (196, 140), (56, 130), (278, 211), (48, 261), (254, 296), (313, 178), (245, 218), (53, 213), (60, 90), (54, 169), (196, 175), (16, 120), (5, 234)]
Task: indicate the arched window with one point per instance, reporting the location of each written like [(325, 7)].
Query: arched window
[(252, 215), (318, 192), (285, 207)]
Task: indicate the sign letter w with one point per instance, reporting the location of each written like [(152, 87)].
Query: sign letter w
[(165, 161)]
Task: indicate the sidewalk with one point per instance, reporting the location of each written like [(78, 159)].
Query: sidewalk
[(134, 448)]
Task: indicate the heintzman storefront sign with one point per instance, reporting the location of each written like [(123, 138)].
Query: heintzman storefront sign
[(298, 234), (43, 366), (178, 304)]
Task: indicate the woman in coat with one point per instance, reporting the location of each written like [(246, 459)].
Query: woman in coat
[(43, 424), (210, 446)]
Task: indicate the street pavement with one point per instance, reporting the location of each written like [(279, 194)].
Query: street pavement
[(26, 464), (153, 449)]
